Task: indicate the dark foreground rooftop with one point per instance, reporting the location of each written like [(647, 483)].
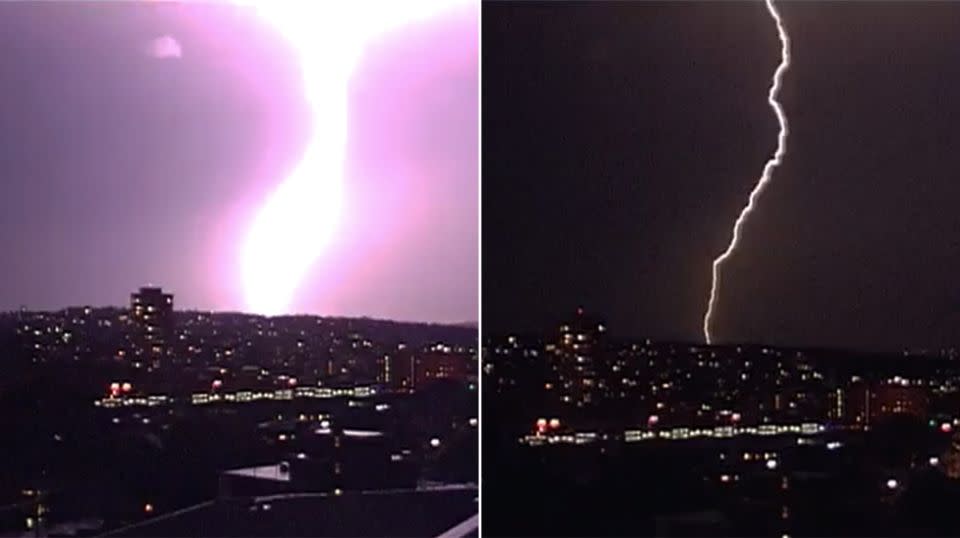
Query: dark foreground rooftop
[(449, 512)]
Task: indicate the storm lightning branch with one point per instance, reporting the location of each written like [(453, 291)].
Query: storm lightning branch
[(774, 161), (298, 219)]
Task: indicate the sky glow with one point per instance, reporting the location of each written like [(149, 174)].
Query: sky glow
[(299, 218)]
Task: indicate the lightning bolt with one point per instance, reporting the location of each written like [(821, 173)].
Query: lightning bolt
[(774, 161), (298, 220)]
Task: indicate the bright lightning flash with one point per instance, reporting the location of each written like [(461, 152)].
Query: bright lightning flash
[(299, 218), (774, 161)]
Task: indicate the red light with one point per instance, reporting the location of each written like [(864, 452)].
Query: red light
[(653, 420), (148, 508), (735, 417), (554, 423), (541, 425), (946, 427), (292, 381), (217, 383), (126, 387)]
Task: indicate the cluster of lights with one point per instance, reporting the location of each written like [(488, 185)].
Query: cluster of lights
[(202, 398), (116, 388), (133, 401), (766, 456), (682, 433), (579, 438), (543, 425), (283, 394)]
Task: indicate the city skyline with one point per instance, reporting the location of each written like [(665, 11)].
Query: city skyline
[(300, 268), (144, 416), (152, 286), (715, 440)]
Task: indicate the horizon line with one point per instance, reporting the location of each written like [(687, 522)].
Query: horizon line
[(462, 324)]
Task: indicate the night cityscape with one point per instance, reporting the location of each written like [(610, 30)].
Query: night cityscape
[(719, 260), (127, 414), (593, 433), (239, 278), (628, 269)]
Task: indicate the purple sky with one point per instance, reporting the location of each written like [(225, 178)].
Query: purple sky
[(121, 169)]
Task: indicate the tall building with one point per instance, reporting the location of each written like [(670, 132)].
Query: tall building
[(384, 370), (576, 359), (397, 370), (151, 311)]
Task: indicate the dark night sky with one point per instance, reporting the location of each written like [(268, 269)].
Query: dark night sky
[(620, 141), (118, 169)]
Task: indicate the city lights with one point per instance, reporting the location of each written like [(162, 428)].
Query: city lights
[(541, 425)]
